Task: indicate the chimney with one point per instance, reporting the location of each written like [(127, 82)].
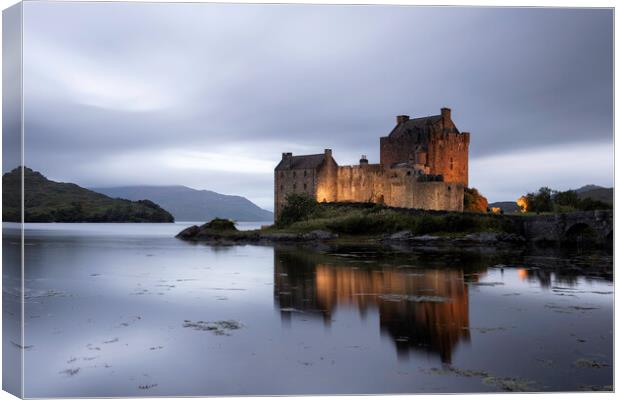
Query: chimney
[(401, 118), (445, 113), (286, 155), (328, 152), (363, 160)]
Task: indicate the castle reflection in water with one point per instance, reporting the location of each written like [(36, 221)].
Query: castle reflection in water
[(421, 309)]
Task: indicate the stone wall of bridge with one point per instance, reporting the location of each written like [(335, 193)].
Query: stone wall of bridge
[(562, 227)]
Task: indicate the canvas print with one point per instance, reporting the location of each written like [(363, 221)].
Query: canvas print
[(204, 199)]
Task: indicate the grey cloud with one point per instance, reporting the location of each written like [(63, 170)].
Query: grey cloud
[(206, 76)]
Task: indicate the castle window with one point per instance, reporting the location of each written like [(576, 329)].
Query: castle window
[(281, 174), (305, 186), (294, 174), (451, 163), (408, 172), (281, 187), (305, 173), (294, 186)]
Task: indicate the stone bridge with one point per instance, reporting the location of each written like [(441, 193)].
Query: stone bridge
[(594, 226)]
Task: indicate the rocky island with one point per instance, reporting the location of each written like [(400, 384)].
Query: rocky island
[(303, 220)]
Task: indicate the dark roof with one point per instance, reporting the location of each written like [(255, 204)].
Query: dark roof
[(311, 161), (422, 124)]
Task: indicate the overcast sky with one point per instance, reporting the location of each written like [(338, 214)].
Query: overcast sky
[(210, 95)]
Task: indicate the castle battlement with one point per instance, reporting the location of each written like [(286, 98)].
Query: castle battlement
[(423, 164)]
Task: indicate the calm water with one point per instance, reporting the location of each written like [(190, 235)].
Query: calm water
[(126, 309)]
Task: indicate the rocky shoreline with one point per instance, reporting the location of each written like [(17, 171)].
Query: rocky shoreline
[(202, 234), (206, 234), (472, 238)]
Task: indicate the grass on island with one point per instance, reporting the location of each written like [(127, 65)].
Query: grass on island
[(303, 214), (220, 225)]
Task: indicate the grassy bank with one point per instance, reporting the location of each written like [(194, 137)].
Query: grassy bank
[(371, 219)]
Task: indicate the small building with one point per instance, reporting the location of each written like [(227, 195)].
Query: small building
[(423, 164)]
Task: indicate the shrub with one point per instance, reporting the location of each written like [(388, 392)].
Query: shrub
[(550, 200), (220, 224), (298, 207), (353, 223), (473, 201), (538, 202), (358, 220), (427, 224), (589, 204), (568, 198)]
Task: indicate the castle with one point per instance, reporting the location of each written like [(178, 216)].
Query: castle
[(423, 164)]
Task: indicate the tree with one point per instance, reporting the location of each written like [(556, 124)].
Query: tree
[(546, 200), (523, 204), (540, 201), (589, 204), (568, 198), (298, 207), (473, 201)]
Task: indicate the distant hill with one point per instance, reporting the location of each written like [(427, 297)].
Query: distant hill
[(187, 204), (588, 188), (506, 206), (49, 201), (605, 195)]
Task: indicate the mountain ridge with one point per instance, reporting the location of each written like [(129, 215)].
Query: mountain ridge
[(50, 201), (189, 204)]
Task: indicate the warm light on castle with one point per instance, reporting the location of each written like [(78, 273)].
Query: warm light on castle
[(423, 164)]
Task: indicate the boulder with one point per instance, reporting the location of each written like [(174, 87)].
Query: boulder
[(491, 237), (511, 237), (189, 233), (425, 238), (483, 237), (279, 237), (319, 235), (402, 235)]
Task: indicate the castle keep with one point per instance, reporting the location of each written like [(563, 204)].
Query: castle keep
[(423, 164)]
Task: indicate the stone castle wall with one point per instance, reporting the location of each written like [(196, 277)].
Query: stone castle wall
[(424, 164), (448, 155), (394, 150), (327, 180), (318, 183), (293, 181), (362, 183), (396, 187)]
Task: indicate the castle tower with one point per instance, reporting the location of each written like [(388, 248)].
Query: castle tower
[(434, 139)]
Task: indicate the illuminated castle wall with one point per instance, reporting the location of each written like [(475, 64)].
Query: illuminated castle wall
[(424, 164)]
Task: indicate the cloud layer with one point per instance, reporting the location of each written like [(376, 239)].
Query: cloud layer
[(210, 95)]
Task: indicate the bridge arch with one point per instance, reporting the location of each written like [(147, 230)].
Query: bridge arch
[(581, 232)]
